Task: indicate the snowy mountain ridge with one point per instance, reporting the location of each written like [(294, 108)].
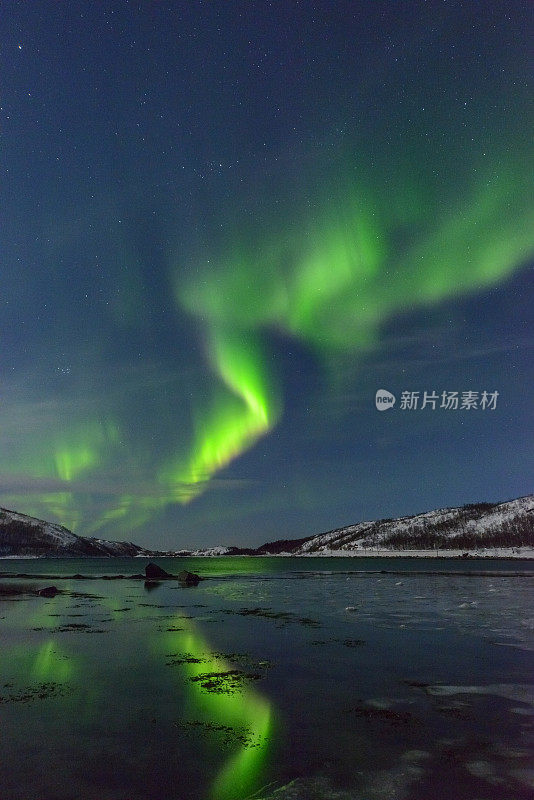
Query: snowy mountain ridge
[(21, 535), (476, 527)]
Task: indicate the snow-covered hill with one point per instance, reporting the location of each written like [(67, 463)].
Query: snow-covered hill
[(477, 526), (21, 535)]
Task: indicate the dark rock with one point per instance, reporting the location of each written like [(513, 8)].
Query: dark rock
[(49, 591), (189, 578), (149, 585), (154, 573)]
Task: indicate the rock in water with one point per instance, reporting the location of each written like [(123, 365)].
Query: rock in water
[(154, 573), (49, 591), (189, 578)]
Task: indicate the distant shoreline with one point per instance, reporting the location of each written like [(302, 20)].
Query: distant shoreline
[(490, 552), (501, 553)]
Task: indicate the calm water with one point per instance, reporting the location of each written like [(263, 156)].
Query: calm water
[(264, 566), (275, 678)]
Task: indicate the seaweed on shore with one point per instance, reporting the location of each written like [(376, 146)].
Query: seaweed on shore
[(74, 627), (381, 714), (244, 660), (227, 735), (40, 691), (284, 617), (183, 658), (345, 642), (228, 682)]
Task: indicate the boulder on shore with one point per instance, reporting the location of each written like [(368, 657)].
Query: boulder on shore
[(189, 578), (154, 573), (49, 591)]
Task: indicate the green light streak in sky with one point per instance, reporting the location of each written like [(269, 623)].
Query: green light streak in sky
[(345, 250), (132, 510), (335, 279), (83, 448), (236, 419), (332, 272), (332, 279), (77, 449), (242, 774), (67, 450), (61, 506)]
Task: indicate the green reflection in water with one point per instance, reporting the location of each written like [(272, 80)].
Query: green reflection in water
[(52, 658), (47, 662), (53, 611), (242, 774), (51, 663)]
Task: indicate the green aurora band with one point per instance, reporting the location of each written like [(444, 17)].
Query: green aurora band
[(236, 417), (332, 280), (330, 273), (62, 455)]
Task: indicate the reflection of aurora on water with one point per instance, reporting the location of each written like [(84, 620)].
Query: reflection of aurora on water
[(98, 714), (242, 773), (63, 671), (51, 663)]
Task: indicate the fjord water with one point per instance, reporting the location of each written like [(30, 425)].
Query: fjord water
[(276, 677)]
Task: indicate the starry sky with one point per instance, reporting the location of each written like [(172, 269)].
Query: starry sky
[(225, 226)]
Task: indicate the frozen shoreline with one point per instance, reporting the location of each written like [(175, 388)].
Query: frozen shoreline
[(515, 553), (490, 552)]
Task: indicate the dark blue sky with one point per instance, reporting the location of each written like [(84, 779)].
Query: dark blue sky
[(226, 226)]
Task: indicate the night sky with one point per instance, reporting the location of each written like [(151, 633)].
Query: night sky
[(225, 226)]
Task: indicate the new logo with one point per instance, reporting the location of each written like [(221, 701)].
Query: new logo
[(384, 400)]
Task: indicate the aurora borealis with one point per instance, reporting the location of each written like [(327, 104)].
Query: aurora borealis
[(226, 226)]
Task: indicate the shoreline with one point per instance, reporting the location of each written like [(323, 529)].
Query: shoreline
[(508, 553), (501, 553)]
